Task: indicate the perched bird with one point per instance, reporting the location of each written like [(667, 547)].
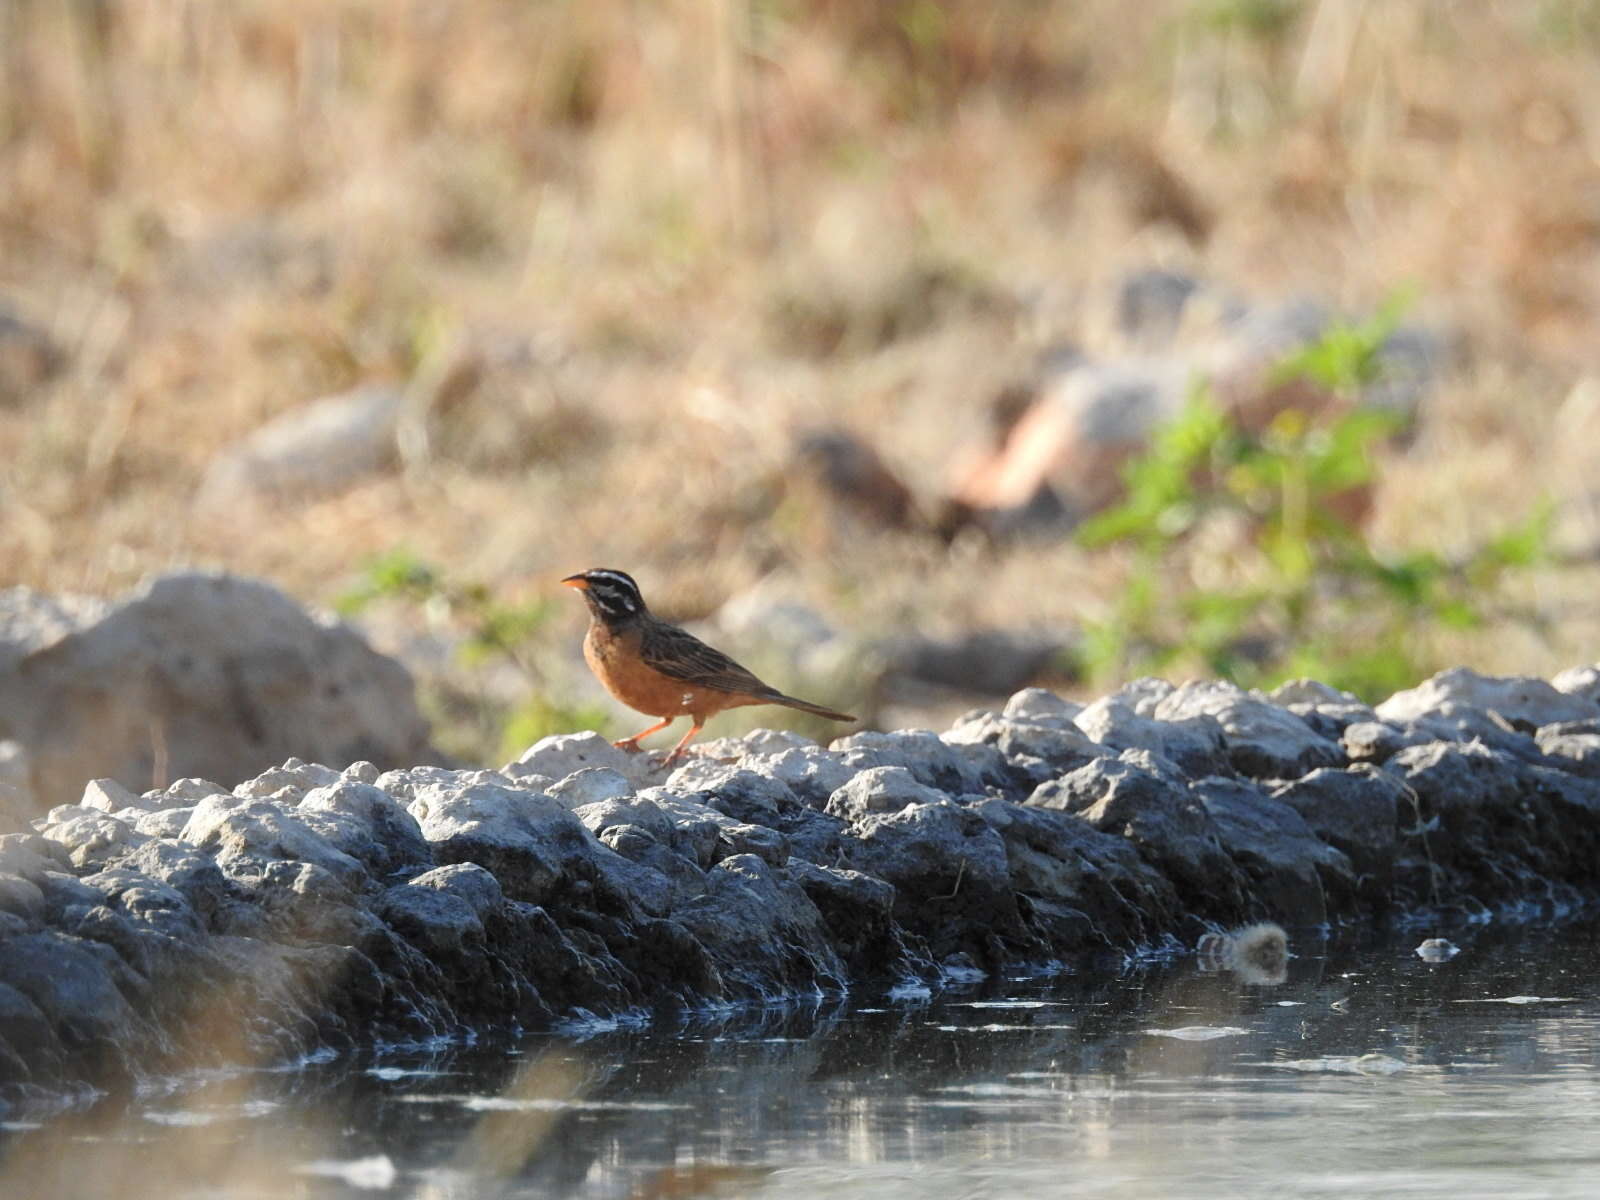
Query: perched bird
[(661, 670)]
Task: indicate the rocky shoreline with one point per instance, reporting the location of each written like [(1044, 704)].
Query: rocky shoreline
[(313, 909)]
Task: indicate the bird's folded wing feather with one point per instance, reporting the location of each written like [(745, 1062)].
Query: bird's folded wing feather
[(680, 655)]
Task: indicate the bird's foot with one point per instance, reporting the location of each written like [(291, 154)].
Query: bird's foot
[(631, 745)]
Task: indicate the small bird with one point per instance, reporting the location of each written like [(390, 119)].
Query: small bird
[(661, 670)]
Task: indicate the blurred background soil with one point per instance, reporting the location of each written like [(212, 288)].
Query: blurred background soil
[(588, 281)]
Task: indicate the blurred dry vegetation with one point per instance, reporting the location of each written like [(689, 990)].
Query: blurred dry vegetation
[(618, 258)]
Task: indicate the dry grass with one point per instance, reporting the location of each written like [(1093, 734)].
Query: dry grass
[(678, 232)]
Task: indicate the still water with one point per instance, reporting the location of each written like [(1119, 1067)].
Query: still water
[(1366, 1072)]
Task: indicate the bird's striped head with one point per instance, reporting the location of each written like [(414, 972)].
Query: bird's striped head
[(612, 596)]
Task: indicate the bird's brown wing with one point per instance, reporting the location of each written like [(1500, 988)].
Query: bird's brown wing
[(678, 654)]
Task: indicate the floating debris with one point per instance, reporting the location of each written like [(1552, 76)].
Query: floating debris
[(389, 1074), (193, 1117), (1344, 1064), (1006, 1004), (1437, 950), (543, 1104), (999, 1028), (376, 1173), (1257, 954), (1198, 1033)]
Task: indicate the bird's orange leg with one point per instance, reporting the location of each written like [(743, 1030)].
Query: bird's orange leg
[(631, 744), (677, 751)]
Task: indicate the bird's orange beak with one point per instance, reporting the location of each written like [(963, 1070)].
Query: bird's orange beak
[(576, 581)]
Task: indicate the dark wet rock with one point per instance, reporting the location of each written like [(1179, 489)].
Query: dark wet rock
[(469, 882), (766, 933), (21, 898), (1164, 822), (1491, 827), (74, 984), (32, 1048), (1079, 888), (694, 828), (1357, 812), (814, 836), (951, 878), (65, 896), (1455, 781), (184, 868), (435, 920), (858, 910), (146, 900), (683, 878), (1295, 877), (766, 844), (311, 907), (302, 903)]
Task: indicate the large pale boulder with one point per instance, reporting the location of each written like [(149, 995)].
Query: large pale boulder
[(196, 674)]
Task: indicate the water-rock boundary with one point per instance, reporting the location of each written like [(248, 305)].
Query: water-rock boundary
[(312, 909)]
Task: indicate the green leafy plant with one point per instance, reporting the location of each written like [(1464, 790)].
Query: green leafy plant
[(474, 718), (1308, 594)]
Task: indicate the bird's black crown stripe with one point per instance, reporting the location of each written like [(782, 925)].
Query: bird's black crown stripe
[(614, 592)]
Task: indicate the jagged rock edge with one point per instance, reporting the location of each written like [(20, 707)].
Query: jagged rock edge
[(342, 909)]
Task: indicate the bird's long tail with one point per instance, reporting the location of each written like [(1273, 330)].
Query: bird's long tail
[(815, 710)]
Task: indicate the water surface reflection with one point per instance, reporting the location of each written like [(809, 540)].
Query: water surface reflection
[(1367, 1071)]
